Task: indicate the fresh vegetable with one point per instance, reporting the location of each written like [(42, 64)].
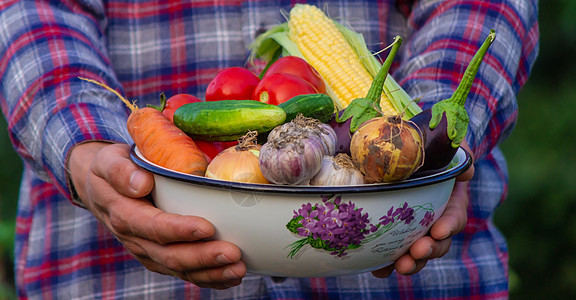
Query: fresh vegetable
[(384, 148), (294, 151), (316, 106), (342, 129), (234, 83), (227, 120), (337, 170), (303, 124), (297, 66), (211, 149), (365, 108), (281, 87), (159, 140), (387, 149), (339, 54), (168, 107), (346, 121), (444, 125), (238, 163)]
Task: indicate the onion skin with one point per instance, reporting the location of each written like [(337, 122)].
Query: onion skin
[(387, 149), (240, 163)]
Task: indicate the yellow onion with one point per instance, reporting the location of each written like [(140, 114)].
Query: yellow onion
[(337, 170), (238, 163), (387, 149)]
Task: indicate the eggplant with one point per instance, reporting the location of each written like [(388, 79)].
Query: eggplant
[(343, 133), (444, 125), (438, 150)]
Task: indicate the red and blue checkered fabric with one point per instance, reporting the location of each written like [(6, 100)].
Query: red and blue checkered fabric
[(144, 47)]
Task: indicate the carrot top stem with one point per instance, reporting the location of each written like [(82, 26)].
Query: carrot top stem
[(131, 105)]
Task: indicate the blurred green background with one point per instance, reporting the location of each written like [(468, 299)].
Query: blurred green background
[(539, 216)]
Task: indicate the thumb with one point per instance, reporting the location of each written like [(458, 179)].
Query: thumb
[(113, 164)]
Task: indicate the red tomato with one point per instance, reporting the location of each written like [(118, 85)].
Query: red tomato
[(174, 102), (211, 149), (297, 66), (232, 84), (280, 87)]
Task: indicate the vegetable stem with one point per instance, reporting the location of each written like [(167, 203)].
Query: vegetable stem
[(162, 103), (132, 106), (465, 85), (456, 116), (364, 109), (377, 86)]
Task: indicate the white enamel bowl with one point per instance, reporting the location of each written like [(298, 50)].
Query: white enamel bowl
[(307, 231)]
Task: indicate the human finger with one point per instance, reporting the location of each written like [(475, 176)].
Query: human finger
[(383, 272), (185, 256), (429, 248), (113, 164), (139, 218), (468, 174), (454, 217), (188, 261)]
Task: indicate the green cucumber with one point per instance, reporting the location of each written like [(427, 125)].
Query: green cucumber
[(227, 120), (317, 106)]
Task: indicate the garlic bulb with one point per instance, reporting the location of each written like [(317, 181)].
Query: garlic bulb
[(294, 151), (337, 170), (312, 126)]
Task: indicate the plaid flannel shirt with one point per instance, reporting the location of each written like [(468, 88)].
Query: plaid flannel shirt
[(143, 47)]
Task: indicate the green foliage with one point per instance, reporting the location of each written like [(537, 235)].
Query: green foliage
[(10, 174), (539, 216)]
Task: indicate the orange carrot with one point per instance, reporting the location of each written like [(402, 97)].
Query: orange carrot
[(159, 140)]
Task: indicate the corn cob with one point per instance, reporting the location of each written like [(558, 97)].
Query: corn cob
[(326, 49), (339, 54)]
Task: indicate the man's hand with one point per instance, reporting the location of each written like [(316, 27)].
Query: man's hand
[(437, 243), (112, 188)]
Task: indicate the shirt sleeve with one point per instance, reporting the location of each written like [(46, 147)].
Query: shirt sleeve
[(44, 47), (445, 37)]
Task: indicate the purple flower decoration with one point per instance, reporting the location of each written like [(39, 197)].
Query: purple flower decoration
[(406, 213), (337, 226), (334, 226), (428, 218), (389, 217)]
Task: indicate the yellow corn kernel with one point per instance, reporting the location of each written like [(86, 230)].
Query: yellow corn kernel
[(326, 49)]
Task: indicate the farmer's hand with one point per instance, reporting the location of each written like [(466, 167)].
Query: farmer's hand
[(112, 187), (438, 242)]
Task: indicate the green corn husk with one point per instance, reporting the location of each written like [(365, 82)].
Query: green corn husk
[(275, 42)]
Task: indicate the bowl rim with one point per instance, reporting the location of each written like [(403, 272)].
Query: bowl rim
[(464, 162)]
